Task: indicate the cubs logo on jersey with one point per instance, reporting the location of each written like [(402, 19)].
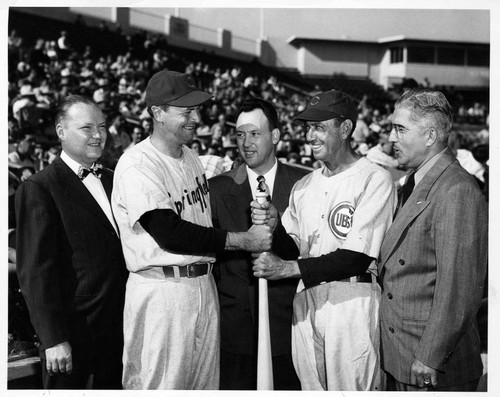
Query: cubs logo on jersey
[(340, 219)]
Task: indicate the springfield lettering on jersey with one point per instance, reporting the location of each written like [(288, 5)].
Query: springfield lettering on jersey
[(193, 197), (340, 219)]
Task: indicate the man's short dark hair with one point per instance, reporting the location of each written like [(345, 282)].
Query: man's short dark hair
[(267, 108)]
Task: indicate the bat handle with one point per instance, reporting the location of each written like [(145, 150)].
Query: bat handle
[(264, 355)]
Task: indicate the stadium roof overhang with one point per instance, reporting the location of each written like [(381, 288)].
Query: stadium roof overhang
[(301, 41)]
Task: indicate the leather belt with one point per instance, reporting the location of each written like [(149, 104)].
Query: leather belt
[(189, 271), (362, 278), (172, 271)]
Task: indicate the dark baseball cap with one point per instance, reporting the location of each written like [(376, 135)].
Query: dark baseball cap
[(328, 105), (173, 88)]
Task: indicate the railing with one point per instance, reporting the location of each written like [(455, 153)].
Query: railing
[(203, 35), (243, 44)]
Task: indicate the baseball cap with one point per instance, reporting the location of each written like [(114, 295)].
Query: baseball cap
[(328, 105), (173, 88)]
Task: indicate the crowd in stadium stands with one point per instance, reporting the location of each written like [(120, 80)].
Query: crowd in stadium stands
[(42, 72)]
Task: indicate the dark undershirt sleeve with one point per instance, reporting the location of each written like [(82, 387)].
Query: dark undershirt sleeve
[(336, 265), (177, 235), (283, 245)]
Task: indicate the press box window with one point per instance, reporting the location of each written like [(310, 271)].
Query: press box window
[(420, 55), (396, 54), (451, 56), (478, 57)]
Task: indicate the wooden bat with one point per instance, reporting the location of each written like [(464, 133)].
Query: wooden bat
[(264, 355)]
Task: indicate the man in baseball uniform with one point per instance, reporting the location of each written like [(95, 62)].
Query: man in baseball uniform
[(336, 220), (162, 207)]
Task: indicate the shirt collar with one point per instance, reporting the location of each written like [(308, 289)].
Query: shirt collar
[(72, 164), (422, 171), (269, 175)]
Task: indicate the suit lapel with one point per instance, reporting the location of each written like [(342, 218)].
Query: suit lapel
[(281, 188), (417, 202), (239, 196), (107, 182), (75, 191)]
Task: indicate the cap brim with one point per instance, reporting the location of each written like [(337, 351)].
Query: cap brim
[(315, 115), (193, 98)]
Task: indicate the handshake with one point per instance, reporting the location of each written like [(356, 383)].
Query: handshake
[(259, 237)]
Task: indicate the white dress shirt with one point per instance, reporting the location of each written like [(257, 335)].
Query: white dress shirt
[(94, 186), (269, 175)]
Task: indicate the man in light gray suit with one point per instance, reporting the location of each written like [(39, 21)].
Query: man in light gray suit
[(434, 256)]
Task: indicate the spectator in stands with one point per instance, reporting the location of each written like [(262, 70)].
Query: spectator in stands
[(230, 149), (220, 129), (24, 107), (14, 133), (465, 157), (23, 155), (196, 147), (212, 164), (138, 135), (101, 95), (382, 153), (147, 125), (362, 132), (117, 120), (214, 149)]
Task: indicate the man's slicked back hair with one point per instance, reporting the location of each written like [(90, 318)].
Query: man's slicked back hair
[(67, 102), (427, 103), (267, 108)]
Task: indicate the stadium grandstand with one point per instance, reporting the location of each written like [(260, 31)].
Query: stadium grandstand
[(110, 53)]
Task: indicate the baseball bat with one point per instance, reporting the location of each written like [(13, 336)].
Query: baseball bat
[(264, 356)]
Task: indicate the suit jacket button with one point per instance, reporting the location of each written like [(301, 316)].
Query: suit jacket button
[(401, 262), (391, 330), (389, 295), (246, 310)]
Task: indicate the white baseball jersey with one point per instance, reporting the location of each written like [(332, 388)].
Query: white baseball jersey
[(170, 325), (350, 210), (146, 179), (335, 332)]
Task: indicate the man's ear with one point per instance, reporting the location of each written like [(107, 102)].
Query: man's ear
[(60, 132), (156, 113), (346, 128), (276, 135), (432, 137)]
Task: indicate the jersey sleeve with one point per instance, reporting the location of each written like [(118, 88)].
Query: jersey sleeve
[(140, 189), (373, 215)]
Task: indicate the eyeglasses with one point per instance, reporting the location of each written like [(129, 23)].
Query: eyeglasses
[(401, 131)]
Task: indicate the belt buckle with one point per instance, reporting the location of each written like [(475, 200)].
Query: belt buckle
[(189, 273)]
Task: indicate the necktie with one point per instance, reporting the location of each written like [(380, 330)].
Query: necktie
[(407, 188), (263, 188), (95, 169)]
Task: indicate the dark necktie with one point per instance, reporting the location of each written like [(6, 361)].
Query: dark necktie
[(407, 188), (262, 187), (95, 169)]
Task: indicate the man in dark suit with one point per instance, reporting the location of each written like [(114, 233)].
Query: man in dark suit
[(257, 134), (69, 259), (434, 256)]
